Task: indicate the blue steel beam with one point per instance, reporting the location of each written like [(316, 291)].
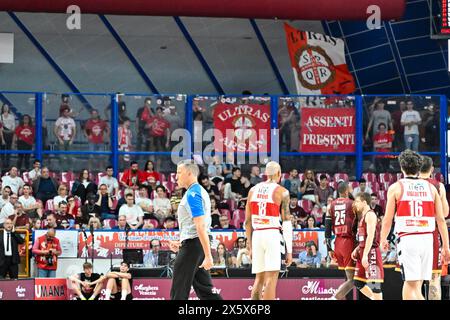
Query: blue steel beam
[(50, 60), (199, 55), (129, 54)]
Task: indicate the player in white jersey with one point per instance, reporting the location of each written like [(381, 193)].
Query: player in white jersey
[(418, 210), (267, 214)]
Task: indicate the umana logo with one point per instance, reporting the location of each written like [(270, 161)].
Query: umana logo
[(312, 287), (43, 291)]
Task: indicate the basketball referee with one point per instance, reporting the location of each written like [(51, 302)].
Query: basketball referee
[(194, 257)]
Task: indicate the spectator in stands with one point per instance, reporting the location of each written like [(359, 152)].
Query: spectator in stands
[(44, 186), (210, 187), (169, 223), (9, 251), (132, 177), (224, 223), (62, 195), (311, 257), (174, 119), (311, 223), (72, 206), (13, 181), (215, 170), (119, 282), (410, 121), (143, 114), (144, 202), (254, 175), (7, 210), (36, 224), (104, 201), (21, 219), (6, 192), (175, 199), (149, 171), (430, 127), (46, 249), (362, 187), (121, 105), (293, 182), (382, 142), (308, 186), (29, 203), (90, 209), (152, 256), (111, 182), (398, 128), (241, 256), (161, 204), (323, 191), (375, 206), (286, 120), (87, 285), (221, 257), (121, 224), (95, 130), (36, 171), (159, 129), (63, 219), (215, 213), (379, 115), (296, 210), (228, 166), (94, 223), (246, 186), (65, 131), (8, 123), (124, 138), (84, 185), (51, 221), (24, 140), (133, 212), (233, 186)]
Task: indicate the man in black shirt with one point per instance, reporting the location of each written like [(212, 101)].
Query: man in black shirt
[(90, 209), (209, 187), (87, 285), (119, 282), (235, 188)]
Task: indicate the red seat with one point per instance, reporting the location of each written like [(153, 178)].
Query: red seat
[(374, 186), (382, 204), (67, 176), (284, 176), (162, 177), (370, 177), (264, 177), (386, 177), (382, 195), (238, 218), (173, 178), (26, 177), (109, 223), (340, 176), (300, 176), (333, 184), (231, 204), (399, 176), (155, 222), (49, 205), (384, 185), (306, 205), (354, 184), (120, 177)]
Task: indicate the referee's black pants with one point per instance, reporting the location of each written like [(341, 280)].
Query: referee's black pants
[(187, 273)]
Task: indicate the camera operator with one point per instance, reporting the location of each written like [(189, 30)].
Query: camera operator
[(87, 285), (47, 249)]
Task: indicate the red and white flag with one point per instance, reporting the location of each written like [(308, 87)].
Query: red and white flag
[(318, 62)]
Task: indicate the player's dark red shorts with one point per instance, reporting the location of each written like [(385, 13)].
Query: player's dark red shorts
[(437, 265), (375, 271), (343, 248)]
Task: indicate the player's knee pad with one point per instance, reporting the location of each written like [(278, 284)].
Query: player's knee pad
[(374, 286), (359, 284)]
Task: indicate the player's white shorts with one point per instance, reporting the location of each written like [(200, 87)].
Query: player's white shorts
[(266, 250), (415, 256)]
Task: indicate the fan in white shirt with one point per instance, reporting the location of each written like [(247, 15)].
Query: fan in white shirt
[(13, 181), (133, 212), (62, 195), (110, 181), (8, 208), (143, 201), (36, 171), (28, 202)]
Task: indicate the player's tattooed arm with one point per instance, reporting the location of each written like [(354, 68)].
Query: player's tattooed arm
[(285, 206)]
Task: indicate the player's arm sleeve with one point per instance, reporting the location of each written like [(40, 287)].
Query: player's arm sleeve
[(195, 202)]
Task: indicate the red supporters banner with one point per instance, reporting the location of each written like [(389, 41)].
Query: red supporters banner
[(50, 289), (244, 127), (301, 238), (327, 130), (318, 62)]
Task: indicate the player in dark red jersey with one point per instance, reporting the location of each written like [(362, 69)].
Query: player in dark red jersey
[(434, 288), (369, 273), (339, 220)]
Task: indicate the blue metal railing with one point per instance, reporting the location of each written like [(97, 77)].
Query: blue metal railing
[(274, 153)]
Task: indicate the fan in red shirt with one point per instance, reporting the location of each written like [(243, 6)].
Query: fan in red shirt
[(132, 177), (340, 219), (24, 137), (95, 129), (159, 130), (150, 172), (382, 142)]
